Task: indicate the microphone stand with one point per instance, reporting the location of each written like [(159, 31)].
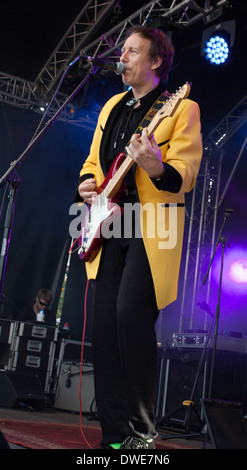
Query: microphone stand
[(189, 403), (223, 241), (12, 178)]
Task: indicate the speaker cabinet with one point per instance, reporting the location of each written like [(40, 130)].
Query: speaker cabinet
[(18, 388), (71, 382), (70, 386), (178, 374), (229, 378), (225, 424)]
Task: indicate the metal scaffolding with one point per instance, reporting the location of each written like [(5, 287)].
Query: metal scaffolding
[(80, 36), (84, 28), (206, 201)]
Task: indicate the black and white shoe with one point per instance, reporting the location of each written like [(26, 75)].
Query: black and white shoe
[(134, 442)]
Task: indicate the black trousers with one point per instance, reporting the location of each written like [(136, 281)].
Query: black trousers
[(124, 341)]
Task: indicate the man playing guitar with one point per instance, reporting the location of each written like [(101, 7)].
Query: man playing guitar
[(135, 277)]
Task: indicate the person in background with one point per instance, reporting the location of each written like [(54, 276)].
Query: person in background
[(42, 301)]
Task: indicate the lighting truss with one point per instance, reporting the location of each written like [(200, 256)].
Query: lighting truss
[(80, 33), (205, 205), (26, 95), (80, 36), (229, 125), (16, 91), (201, 238), (180, 14)]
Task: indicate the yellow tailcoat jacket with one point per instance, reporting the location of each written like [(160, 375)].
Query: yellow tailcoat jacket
[(182, 149)]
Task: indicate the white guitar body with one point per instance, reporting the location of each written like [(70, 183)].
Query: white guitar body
[(98, 217)]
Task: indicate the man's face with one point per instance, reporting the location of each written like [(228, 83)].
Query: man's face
[(41, 303), (139, 68)]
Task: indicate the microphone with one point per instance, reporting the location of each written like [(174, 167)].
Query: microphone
[(117, 67), (228, 212)]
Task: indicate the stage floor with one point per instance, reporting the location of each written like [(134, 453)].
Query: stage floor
[(52, 415)]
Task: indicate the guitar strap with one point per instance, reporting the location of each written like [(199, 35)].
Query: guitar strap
[(152, 111), (148, 118)]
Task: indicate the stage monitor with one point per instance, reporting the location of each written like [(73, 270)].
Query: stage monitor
[(225, 423)]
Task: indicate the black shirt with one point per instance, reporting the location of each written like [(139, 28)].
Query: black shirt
[(126, 125), (27, 314)]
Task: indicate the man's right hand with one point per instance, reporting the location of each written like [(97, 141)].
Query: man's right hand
[(86, 190)]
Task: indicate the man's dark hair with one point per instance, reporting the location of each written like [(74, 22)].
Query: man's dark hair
[(45, 294), (160, 45)]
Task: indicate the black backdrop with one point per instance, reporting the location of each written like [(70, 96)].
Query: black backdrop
[(40, 235)]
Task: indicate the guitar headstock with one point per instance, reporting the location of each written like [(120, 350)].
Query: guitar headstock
[(170, 106)]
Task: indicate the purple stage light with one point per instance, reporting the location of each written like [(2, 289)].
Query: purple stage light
[(238, 271), (233, 301), (234, 272)]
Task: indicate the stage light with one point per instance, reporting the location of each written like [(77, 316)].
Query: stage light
[(238, 271), (217, 41), (216, 50), (71, 111), (235, 270), (43, 105)]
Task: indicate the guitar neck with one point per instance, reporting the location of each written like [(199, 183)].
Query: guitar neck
[(116, 181)]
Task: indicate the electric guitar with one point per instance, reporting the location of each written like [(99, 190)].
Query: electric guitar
[(104, 206)]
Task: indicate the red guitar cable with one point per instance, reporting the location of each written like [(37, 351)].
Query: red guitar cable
[(82, 348)]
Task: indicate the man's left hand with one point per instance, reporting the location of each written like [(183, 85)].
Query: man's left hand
[(146, 153)]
